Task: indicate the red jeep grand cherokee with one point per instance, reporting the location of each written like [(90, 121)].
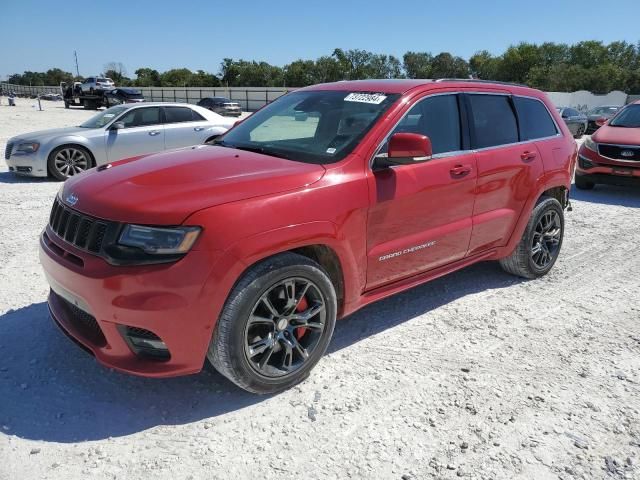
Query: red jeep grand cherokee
[(334, 196), (612, 154)]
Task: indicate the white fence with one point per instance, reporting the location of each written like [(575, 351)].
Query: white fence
[(252, 98), (585, 101)]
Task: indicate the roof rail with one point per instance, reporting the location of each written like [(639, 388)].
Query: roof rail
[(478, 80)]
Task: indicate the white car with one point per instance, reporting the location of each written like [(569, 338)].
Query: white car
[(97, 84), (119, 132)]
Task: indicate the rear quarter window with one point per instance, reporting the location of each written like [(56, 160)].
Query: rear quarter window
[(534, 118), (493, 120)]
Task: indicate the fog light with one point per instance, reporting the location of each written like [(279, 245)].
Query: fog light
[(145, 343), (585, 163)]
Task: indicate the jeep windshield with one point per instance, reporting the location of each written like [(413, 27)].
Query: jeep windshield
[(316, 126), (102, 118), (629, 117)]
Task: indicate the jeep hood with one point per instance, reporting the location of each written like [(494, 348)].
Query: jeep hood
[(165, 188)]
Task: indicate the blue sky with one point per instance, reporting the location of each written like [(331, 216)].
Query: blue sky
[(37, 34)]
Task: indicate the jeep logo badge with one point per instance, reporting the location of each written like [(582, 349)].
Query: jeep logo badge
[(627, 153), (72, 199)]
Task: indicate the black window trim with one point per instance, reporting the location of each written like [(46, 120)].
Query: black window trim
[(466, 127)]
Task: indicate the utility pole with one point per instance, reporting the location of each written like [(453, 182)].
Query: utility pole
[(75, 54)]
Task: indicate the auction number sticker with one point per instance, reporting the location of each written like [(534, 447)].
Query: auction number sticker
[(374, 98)]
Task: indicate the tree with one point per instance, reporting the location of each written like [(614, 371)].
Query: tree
[(176, 77), (445, 65), (204, 79), (588, 65), (483, 65), (417, 64), (115, 71), (517, 61), (147, 77)]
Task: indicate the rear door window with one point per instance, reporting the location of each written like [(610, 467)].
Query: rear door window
[(493, 121), (178, 115), (535, 121)]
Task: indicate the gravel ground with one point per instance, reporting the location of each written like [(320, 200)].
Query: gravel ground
[(477, 375)]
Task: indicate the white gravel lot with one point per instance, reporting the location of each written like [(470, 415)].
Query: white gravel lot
[(477, 375)]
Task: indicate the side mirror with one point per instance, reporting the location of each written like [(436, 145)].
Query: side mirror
[(117, 126), (601, 121), (405, 149)]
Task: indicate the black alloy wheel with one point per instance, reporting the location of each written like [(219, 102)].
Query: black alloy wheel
[(545, 241), (285, 327)]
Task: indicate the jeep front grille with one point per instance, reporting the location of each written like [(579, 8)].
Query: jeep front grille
[(81, 231)]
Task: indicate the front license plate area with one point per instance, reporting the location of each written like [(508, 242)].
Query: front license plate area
[(622, 171)]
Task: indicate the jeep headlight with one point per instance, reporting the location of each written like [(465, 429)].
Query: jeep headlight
[(590, 144), (159, 240), (28, 147)]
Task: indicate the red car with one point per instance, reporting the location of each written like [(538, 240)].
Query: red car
[(612, 154), (245, 253)]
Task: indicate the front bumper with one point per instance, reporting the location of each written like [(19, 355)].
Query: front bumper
[(95, 303), (597, 169), (32, 165)]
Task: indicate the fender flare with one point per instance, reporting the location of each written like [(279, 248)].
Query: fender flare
[(233, 262)]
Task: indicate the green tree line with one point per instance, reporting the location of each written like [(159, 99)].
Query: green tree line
[(588, 65)]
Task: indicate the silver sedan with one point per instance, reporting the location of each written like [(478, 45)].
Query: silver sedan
[(119, 132)]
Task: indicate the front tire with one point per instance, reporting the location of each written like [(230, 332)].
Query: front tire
[(583, 184), (538, 250), (276, 324), (67, 161), (579, 132)]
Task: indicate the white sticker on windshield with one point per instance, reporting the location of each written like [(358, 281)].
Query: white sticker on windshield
[(375, 98), (331, 151), (109, 115)]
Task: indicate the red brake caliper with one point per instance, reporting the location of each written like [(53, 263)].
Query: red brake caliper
[(302, 306)]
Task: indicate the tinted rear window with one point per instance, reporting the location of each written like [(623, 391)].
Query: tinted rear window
[(493, 121), (535, 121), (178, 114)]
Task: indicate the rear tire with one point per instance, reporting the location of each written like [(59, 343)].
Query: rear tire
[(538, 250), (583, 184), (258, 342)]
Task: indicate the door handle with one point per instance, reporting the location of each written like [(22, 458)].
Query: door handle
[(528, 155), (198, 129), (153, 133), (460, 170)]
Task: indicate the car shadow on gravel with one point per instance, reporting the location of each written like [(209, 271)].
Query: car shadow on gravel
[(609, 195), (51, 390), (10, 177), (399, 308)]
